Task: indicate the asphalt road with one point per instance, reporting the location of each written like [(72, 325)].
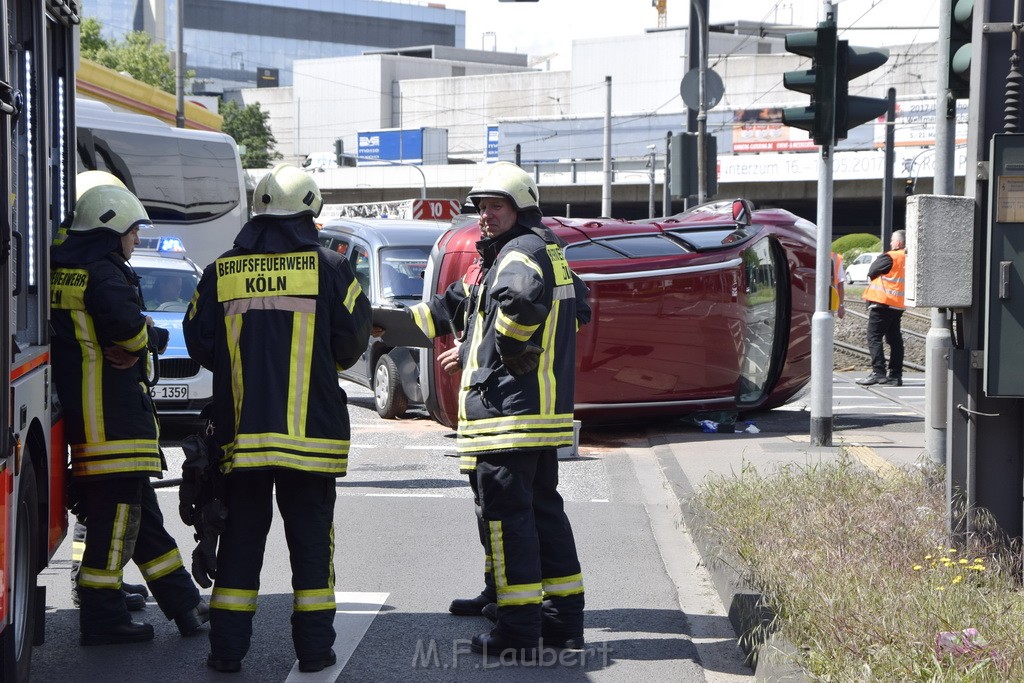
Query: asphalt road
[(406, 544)]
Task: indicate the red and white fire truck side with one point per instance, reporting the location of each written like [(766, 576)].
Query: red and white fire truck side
[(37, 167)]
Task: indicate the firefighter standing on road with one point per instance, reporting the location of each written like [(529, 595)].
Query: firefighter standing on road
[(274, 319), (520, 306), (100, 357)]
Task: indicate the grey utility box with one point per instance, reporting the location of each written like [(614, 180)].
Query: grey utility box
[(940, 251)]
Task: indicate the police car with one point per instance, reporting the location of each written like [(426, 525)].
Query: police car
[(168, 280)]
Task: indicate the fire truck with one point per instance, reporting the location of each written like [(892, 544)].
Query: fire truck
[(37, 168)]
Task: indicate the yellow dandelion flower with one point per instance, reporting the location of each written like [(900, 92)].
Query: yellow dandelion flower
[(963, 560), (927, 557), (944, 560), (917, 567), (940, 588), (957, 579), (952, 551)]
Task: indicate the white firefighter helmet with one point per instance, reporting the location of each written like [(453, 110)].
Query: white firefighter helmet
[(108, 207), (287, 191), (87, 180), (507, 181)]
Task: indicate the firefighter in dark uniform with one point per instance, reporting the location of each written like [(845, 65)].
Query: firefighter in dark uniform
[(519, 307), (274, 319), (100, 345)]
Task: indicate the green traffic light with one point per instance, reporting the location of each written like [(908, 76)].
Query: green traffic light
[(853, 62), (961, 26), (819, 82)]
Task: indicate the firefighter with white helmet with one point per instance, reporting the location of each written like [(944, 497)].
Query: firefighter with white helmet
[(517, 310), (273, 319), (287, 191), (100, 347)]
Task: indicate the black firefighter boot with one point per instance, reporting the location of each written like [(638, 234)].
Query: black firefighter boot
[(485, 603)]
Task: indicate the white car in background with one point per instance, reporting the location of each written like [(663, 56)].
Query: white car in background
[(857, 272)]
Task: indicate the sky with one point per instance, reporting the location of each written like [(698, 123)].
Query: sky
[(548, 27)]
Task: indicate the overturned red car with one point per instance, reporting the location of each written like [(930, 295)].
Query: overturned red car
[(709, 310)]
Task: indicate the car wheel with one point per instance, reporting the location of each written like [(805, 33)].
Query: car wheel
[(849, 280), (388, 396)]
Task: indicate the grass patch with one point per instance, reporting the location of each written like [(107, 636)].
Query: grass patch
[(861, 576)]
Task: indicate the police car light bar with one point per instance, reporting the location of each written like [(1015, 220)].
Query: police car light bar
[(171, 244), (166, 246)]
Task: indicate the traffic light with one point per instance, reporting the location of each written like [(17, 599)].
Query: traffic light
[(852, 62), (961, 25), (339, 151), (683, 174), (819, 82)]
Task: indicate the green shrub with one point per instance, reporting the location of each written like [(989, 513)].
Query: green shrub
[(852, 246)]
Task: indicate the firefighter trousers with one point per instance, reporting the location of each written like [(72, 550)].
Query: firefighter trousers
[(481, 526), (530, 541), (124, 521), (306, 502)]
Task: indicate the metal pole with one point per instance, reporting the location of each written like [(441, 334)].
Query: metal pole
[(606, 187), (890, 159), (652, 159), (939, 340), (666, 190), (822, 323), (702, 111), (179, 86)]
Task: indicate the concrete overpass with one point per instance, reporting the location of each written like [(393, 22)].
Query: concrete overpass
[(787, 180)]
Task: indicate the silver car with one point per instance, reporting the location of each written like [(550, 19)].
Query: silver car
[(388, 257)]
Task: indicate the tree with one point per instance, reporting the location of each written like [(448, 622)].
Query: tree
[(137, 55), (90, 41), (249, 127)]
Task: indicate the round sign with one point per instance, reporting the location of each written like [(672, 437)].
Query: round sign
[(689, 89)]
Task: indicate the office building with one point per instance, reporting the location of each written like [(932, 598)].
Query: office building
[(235, 43)]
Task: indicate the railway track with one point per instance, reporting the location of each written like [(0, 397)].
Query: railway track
[(850, 343)]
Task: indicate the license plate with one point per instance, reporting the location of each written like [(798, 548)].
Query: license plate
[(169, 391)]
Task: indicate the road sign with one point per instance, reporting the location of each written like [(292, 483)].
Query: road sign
[(436, 209), (689, 89)]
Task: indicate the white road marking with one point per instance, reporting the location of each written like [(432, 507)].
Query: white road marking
[(355, 613), (405, 495)]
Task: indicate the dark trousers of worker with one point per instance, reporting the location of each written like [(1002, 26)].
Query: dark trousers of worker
[(884, 324), (124, 522), (530, 541), (306, 502), (481, 526)]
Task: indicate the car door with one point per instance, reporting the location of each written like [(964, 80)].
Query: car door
[(342, 244), (359, 258)]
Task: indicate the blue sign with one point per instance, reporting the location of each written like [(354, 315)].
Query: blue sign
[(492, 143), (392, 145)]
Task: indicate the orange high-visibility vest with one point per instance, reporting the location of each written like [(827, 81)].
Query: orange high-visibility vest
[(888, 289)]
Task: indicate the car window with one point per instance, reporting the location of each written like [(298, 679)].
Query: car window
[(164, 289), (703, 240), (590, 251), (334, 243), (360, 260), (401, 271), (640, 246)]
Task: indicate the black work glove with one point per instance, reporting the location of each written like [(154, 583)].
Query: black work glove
[(524, 362), (209, 522)]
